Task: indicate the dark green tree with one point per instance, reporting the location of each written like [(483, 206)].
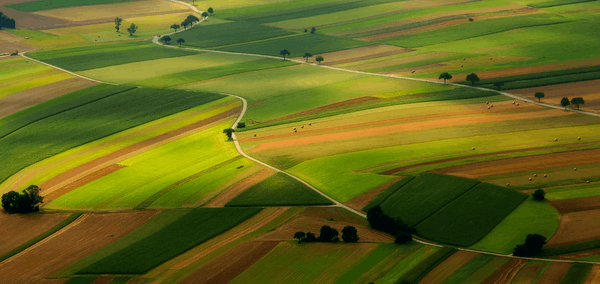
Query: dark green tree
[(192, 19), (350, 234), (539, 96), (402, 238), (204, 14), (310, 237), (299, 236), (166, 39), (327, 234), (533, 245), (7, 22), (118, 23), (228, 131), (313, 30), (307, 55), (319, 59), (175, 26), (185, 24), (499, 85), (132, 29), (565, 102), (180, 41), (473, 78), (284, 53), (445, 76), (241, 125), (27, 202), (539, 194), (210, 10), (577, 101)]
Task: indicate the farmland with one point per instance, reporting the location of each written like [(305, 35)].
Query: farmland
[(141, 184)]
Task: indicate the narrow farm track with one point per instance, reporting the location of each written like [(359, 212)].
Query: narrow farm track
[(337, 203)]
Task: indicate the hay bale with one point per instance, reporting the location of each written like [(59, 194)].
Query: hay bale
[(534, 175), (545, 175), (529, 179), (488, 107), (578, 138), (255, 135), (587, 181), (555, 139), (473, 148), (517, 104), (309, 124), (302, 126), (575, 169), (507, 184), (487, 103), (295, 131), (514, 102)]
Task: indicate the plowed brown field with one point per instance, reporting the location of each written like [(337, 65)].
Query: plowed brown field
[(18, 229), (588, 90), (577, 227), (448, 267), (506, 273), (231, 264), (555, 272), (523, 164), (81, 182), (405, 127), (84, 236), (529, 273), (29, 98), (565, 206), (594, 276)]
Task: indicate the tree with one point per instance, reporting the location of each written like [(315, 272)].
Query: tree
[(310, 238), (192, 19), (175, 26), (166, 39), (539, 194), (228, 131), (327, 234), (473, 78), (533, 245), (319, 59), (185, 24), (210, 10), (307, 55), (539, 96), (402, 238), (284, 53), (577, 101), (204, 14), (180, 41), (350, 234), (313, 30), (565, 102), (299, 236), (241, 125), (498, 85), (445, 76), (6, 22), (13, 202), (132, 29), (118, 23)]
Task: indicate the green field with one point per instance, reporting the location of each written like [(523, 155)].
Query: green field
[(64, 130), (89, 57), (40, 5), (571, 192), (229, 34), (279, 190), (531, 217), (467, 270), (378, 255), (307, 263), (388, 192), (425, 195), (18, 74), (153, 244), (473, 215)]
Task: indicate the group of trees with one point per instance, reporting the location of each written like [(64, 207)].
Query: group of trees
[(131, 30), (189, 21), (532, 246), (380, 221), (575, 101), (27, 202), (329, 235), (307, 55), (6, 22), (166, 39)]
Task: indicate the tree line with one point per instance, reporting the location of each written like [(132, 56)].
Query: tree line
[(6, 22), (328, 235), (26, 202)]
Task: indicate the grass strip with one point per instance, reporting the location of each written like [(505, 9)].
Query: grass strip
[(572, 78), (582, 246), (378, 255), (420, 270), (41, 5), (40, 237), (576, 274), (554, 3), (388, 192), (540, 75)]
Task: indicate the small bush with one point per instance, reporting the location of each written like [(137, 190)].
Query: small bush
[(539, 194), (310, 238), (350, 234), (241, 125), (328, 234), (533, 245)]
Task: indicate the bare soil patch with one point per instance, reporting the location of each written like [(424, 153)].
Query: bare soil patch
[(29, 98), (18, 229), (594, 276), (453, 22), (405, 127), (576, 227), (10, 43), (249, 229), (359, 202), (334, 214), (101, 280), (32, 21), (88, 168), (528, 274), (579, 254), (240, 187), (231, 264), (81, 238), (522, 164), (555, 272), (312, 224), (445, 269), (506, 272), (565, 206), (81, 182)]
